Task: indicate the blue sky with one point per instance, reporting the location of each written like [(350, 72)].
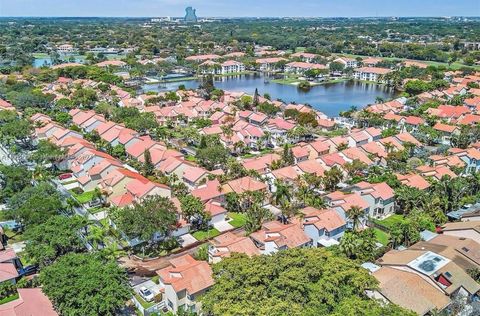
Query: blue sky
[(308, 8)]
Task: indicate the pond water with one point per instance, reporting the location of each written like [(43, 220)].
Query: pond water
[(330, 99), (47, 61)]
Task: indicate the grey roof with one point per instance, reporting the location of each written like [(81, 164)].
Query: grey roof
[(465, 211), (372, 267), (426, 235)]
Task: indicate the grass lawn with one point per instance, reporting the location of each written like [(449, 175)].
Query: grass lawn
[(13, 237), (238, 220), (84, 197), (142, 302), (23, 258), (236, 74), (286, 81), (202, 235), (391, 221), (382, 236), (40, 55), (95, 210), (190, 158), (9, 299)]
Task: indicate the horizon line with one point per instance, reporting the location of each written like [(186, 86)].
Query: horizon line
[(242, 17)]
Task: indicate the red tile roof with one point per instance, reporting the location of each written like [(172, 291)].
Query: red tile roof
[(186, 273), (31, 302)]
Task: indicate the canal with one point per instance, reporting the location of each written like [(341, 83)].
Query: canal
[(330, 99)]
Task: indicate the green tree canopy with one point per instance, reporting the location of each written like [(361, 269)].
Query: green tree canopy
[(56, 237), (85, 284), (13, 179), (292, 282), (156, 214), (35, 205)]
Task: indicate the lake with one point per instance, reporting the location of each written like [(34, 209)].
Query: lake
[(330, 99)]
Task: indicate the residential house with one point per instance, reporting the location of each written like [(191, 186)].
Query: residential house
[(465, 229), (275, 236), (324, 227), (305, 57), (224, 245), (441, 272), (278, 129), (374, 74), (342, 202), (232, 66), (299, 68), (408, 290), (471, 157), (194, 176), (184, 280), (379, 196), (347, 62), (270, 64), (413, 180), (30, 302)]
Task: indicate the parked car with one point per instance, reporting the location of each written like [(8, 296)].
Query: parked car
[(29, 270), (146, 294), (65, 176)]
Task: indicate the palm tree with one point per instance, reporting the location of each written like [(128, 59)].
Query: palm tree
[(396, 238), (332, 178), (113, 251), (96, 236), (289, 209), (355, 213), (349, 244), (283, 192), (255, 216), (408, 197)]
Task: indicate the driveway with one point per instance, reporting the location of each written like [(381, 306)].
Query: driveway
[(152, 286), (223, 226), (186, 240)]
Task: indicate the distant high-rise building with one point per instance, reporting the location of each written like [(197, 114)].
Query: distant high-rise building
[(190, 15)]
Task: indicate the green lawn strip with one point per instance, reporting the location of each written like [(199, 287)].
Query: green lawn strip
[(9, 298), (236, 74), (145, 304), (202, 235), (238, 220), (23, 258), (40, 55), (382, 236), (13, 237), (156, 279), (391, 221), (286, 81), (95, 210), (190, 158), (84, 197)]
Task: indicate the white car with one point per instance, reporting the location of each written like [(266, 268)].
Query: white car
[(146, 294)]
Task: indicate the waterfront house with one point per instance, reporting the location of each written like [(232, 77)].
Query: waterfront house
[(373, 74)]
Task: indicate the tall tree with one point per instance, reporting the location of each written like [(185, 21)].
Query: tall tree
[(193, 211), (332, 178), (56, 237), (355, 213), (292, 282), (156, 214), (35, 205), (148, 167), (85, 284)]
